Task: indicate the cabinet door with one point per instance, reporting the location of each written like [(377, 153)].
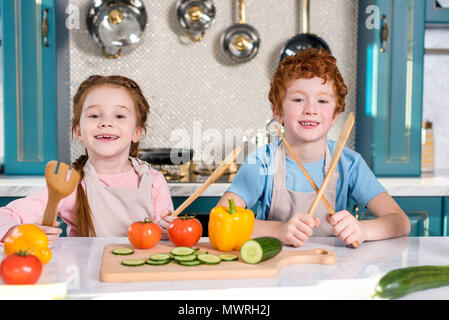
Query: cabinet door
[(437, 11), (29, 78), (425, 214), (389, 91)]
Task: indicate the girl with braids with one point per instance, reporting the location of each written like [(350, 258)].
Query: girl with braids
[(116, 188)]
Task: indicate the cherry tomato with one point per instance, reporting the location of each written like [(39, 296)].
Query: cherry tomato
[(20, 268), (144, 234), (185, 231)]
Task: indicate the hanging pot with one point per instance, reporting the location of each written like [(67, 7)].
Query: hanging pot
[(195, 16), (241, 41), (114, 24), (303, 40)]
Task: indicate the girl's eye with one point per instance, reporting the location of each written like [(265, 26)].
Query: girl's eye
[(121, 116), (93, 116)]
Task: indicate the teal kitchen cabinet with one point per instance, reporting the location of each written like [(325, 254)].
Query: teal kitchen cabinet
[(390, 82), (29, 82), (446, 217), (425, 214), (436, 12)]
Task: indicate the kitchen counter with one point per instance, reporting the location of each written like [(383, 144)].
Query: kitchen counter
[(428, 185), (77, 261)]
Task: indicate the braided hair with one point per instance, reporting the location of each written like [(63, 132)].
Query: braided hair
[(83, 214)]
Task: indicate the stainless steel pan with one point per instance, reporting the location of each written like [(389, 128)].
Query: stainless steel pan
[(114, 24), (195, 16), (241, 41), (303, 40)]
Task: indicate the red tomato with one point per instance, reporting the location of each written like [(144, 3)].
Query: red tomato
[(20, 268), (144, 234), (185, 231)]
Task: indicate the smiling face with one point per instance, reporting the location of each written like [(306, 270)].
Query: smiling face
[(308, 110), (108, 123)]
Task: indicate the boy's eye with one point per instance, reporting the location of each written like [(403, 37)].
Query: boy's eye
[(298, 100), (323, 101)]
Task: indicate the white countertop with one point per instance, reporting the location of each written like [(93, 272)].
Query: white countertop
[(428, 185), (77, 261)]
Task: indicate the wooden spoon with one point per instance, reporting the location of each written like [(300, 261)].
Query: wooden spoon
[(342, 139), (214, 176), (58, 188)]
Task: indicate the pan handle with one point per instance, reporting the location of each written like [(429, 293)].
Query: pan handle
[(242, 17), (305, 16), (384, 33)]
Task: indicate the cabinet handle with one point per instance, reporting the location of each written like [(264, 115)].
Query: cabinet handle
[(45, 28), (384, 34)]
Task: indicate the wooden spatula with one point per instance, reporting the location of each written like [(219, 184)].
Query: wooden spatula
[(58, 188), (342, 139), (214, 176)]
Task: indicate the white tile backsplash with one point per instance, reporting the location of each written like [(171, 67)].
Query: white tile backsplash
[(436, 92)]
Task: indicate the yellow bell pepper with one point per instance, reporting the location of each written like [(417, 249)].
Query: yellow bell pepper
[(230, 227), (30, 238)]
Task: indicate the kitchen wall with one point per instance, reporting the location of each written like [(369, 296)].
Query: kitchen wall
[(193, 89), (435, 95)]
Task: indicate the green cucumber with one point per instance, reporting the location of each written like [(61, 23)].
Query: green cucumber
[(157, 262), (201, 252), (209, 258), (400, 282), (133, 262), (260, 249), (160, 256), (182, 251), (228, 257), (190, 257), (190, 263), (123, 251)]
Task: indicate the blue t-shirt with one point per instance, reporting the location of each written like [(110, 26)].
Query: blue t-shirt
[(254, 180)]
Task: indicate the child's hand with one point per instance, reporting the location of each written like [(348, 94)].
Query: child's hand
[(165, 219), (346, 227), (299, 229), (51, 232)]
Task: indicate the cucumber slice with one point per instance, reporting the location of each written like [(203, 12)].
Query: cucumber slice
[(190, 257), (260, 249), (196, 248), (190, 263), (209, 258), (182, 251), (201, 252), (158, 262), (133, 262), (160, 256), (123, 251), (228, 257)]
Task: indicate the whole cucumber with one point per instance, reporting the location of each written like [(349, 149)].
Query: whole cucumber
[(400, 282)]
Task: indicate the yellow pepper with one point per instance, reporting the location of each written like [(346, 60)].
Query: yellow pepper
[(230, 227), (30, 238)]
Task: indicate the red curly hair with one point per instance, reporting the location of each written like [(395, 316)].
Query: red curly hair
[(307, 64)]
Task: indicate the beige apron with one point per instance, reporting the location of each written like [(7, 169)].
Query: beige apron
[(114, 209), (284, 202)]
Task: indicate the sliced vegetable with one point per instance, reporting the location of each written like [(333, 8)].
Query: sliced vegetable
[(182, 251), (209, 258), (133, 262), (157, 262), (400, 282), (228, 257), (160, 256), (201, 252), (260, 249), (190, 257), (123, 251), (190, 263)]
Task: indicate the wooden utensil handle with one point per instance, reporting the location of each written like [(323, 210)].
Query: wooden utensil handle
[(51, 212)]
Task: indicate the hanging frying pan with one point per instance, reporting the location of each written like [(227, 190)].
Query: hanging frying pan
[(240, 41), (303, 40), (195, 16)]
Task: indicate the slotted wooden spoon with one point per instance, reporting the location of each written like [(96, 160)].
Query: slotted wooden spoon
[(58, 188)]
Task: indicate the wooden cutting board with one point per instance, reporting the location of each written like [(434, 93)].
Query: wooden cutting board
[(113, 271)]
